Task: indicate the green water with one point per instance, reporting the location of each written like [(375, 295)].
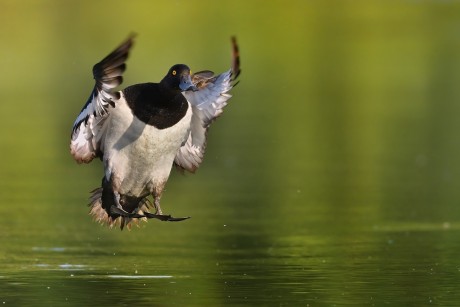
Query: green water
[(332, 178)]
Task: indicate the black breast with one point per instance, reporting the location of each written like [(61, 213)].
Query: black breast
[(155, 106)]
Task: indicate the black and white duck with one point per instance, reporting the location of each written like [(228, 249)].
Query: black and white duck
[(143, 130)]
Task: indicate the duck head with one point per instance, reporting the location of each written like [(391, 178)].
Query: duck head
[(178, 78)]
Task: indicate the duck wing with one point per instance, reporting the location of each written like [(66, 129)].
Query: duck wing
[(207, 103), (88, 128)]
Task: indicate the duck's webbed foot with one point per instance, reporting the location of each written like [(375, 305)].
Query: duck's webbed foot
[(163, 217), (123, 213), (159, 214)]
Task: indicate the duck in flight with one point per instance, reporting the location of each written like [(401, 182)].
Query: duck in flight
[(140, 132)]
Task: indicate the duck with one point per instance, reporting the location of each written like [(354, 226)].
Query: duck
[(142, 131)]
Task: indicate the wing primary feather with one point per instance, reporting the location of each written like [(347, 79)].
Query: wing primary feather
[(108, 72), (236, 59)]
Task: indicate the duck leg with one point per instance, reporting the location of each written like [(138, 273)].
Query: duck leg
[(117, 211), (158, 213), (126, 206)]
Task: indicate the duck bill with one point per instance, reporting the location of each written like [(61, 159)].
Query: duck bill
[(186, 84)]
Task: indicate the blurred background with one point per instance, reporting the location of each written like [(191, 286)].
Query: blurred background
[(332, 177)]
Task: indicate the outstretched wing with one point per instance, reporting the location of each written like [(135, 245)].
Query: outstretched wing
[(88, 127), (207, 104)]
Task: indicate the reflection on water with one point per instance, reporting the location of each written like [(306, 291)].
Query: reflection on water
[(138, 276), (413, 264), (331, 179)]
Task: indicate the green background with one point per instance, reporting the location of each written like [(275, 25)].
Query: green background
[(331, 178)]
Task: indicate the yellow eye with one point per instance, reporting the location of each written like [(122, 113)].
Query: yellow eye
[(174, 72)]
